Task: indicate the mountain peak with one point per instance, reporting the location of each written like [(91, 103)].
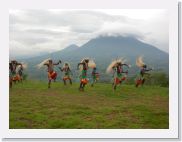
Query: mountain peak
[(71, 47), (116, 37)]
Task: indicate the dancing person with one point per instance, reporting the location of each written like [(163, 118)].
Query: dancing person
[(13, 75), (84, 65), (116, 67), (140, 80), (95, 76), (67, 73), (52, 75), (20, 72)]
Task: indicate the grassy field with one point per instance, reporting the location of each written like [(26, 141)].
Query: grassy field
[(33, 105)]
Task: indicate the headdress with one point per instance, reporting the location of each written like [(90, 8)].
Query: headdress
[(139, 61), (46, 61)]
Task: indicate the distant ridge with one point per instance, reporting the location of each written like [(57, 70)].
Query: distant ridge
[(104, 49)]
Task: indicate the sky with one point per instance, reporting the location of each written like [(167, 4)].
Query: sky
[(37, 32)]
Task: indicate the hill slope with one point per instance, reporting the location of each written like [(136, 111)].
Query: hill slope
[(105, 49)]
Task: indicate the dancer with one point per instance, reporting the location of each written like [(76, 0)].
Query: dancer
[(67, 73), (117, 68), (140, 80), (95, 76), (13, 76), (10, 75), (20, 69), (84, 65), (52, 75)]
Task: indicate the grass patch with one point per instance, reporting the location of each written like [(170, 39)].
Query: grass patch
[(34, 106)]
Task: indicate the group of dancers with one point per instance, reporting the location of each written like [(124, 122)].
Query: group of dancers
[(118, 68)]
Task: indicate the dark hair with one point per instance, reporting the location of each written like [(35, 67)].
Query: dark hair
[(86, 60)]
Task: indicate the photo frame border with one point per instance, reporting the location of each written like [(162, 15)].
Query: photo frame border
[(171, 5)]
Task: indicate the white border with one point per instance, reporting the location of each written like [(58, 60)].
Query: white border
[(171, 5)]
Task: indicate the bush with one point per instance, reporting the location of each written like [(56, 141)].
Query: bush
[(25, 76), (158, 78), (155, 78)]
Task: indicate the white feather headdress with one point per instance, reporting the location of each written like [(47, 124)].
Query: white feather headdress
[(46, 61), (139, 61), (24, 65), (91, 63), (83, 60), (114, 63)]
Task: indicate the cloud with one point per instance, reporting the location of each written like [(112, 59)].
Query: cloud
[(38, 31)]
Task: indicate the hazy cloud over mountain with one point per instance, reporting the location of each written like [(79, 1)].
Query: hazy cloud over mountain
[(33, 32)]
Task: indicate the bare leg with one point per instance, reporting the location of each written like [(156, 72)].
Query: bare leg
[(80, 86), (143, 81), (114, 87), (55, 80), (114, 84), (64, 82), (21, 80), (83, 87), (136, 84), (92, 82), (70, 81), (92, 85), (10, 83), (49, 84)]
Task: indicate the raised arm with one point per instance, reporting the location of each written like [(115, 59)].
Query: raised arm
[(125, 72)]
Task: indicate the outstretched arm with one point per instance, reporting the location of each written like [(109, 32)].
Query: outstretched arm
[(125, 72), (125, 65), (148, 70), (18, 64), (57, 63)]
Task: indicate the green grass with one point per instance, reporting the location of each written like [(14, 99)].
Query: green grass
[(33, 105)]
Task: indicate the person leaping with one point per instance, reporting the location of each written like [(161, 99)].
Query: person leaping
[(140, 80), (52, 75), (116, 67)]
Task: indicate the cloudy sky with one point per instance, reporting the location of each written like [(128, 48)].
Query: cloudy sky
[(35, 32)]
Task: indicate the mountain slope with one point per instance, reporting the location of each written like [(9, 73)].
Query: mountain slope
[(104, 49)]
